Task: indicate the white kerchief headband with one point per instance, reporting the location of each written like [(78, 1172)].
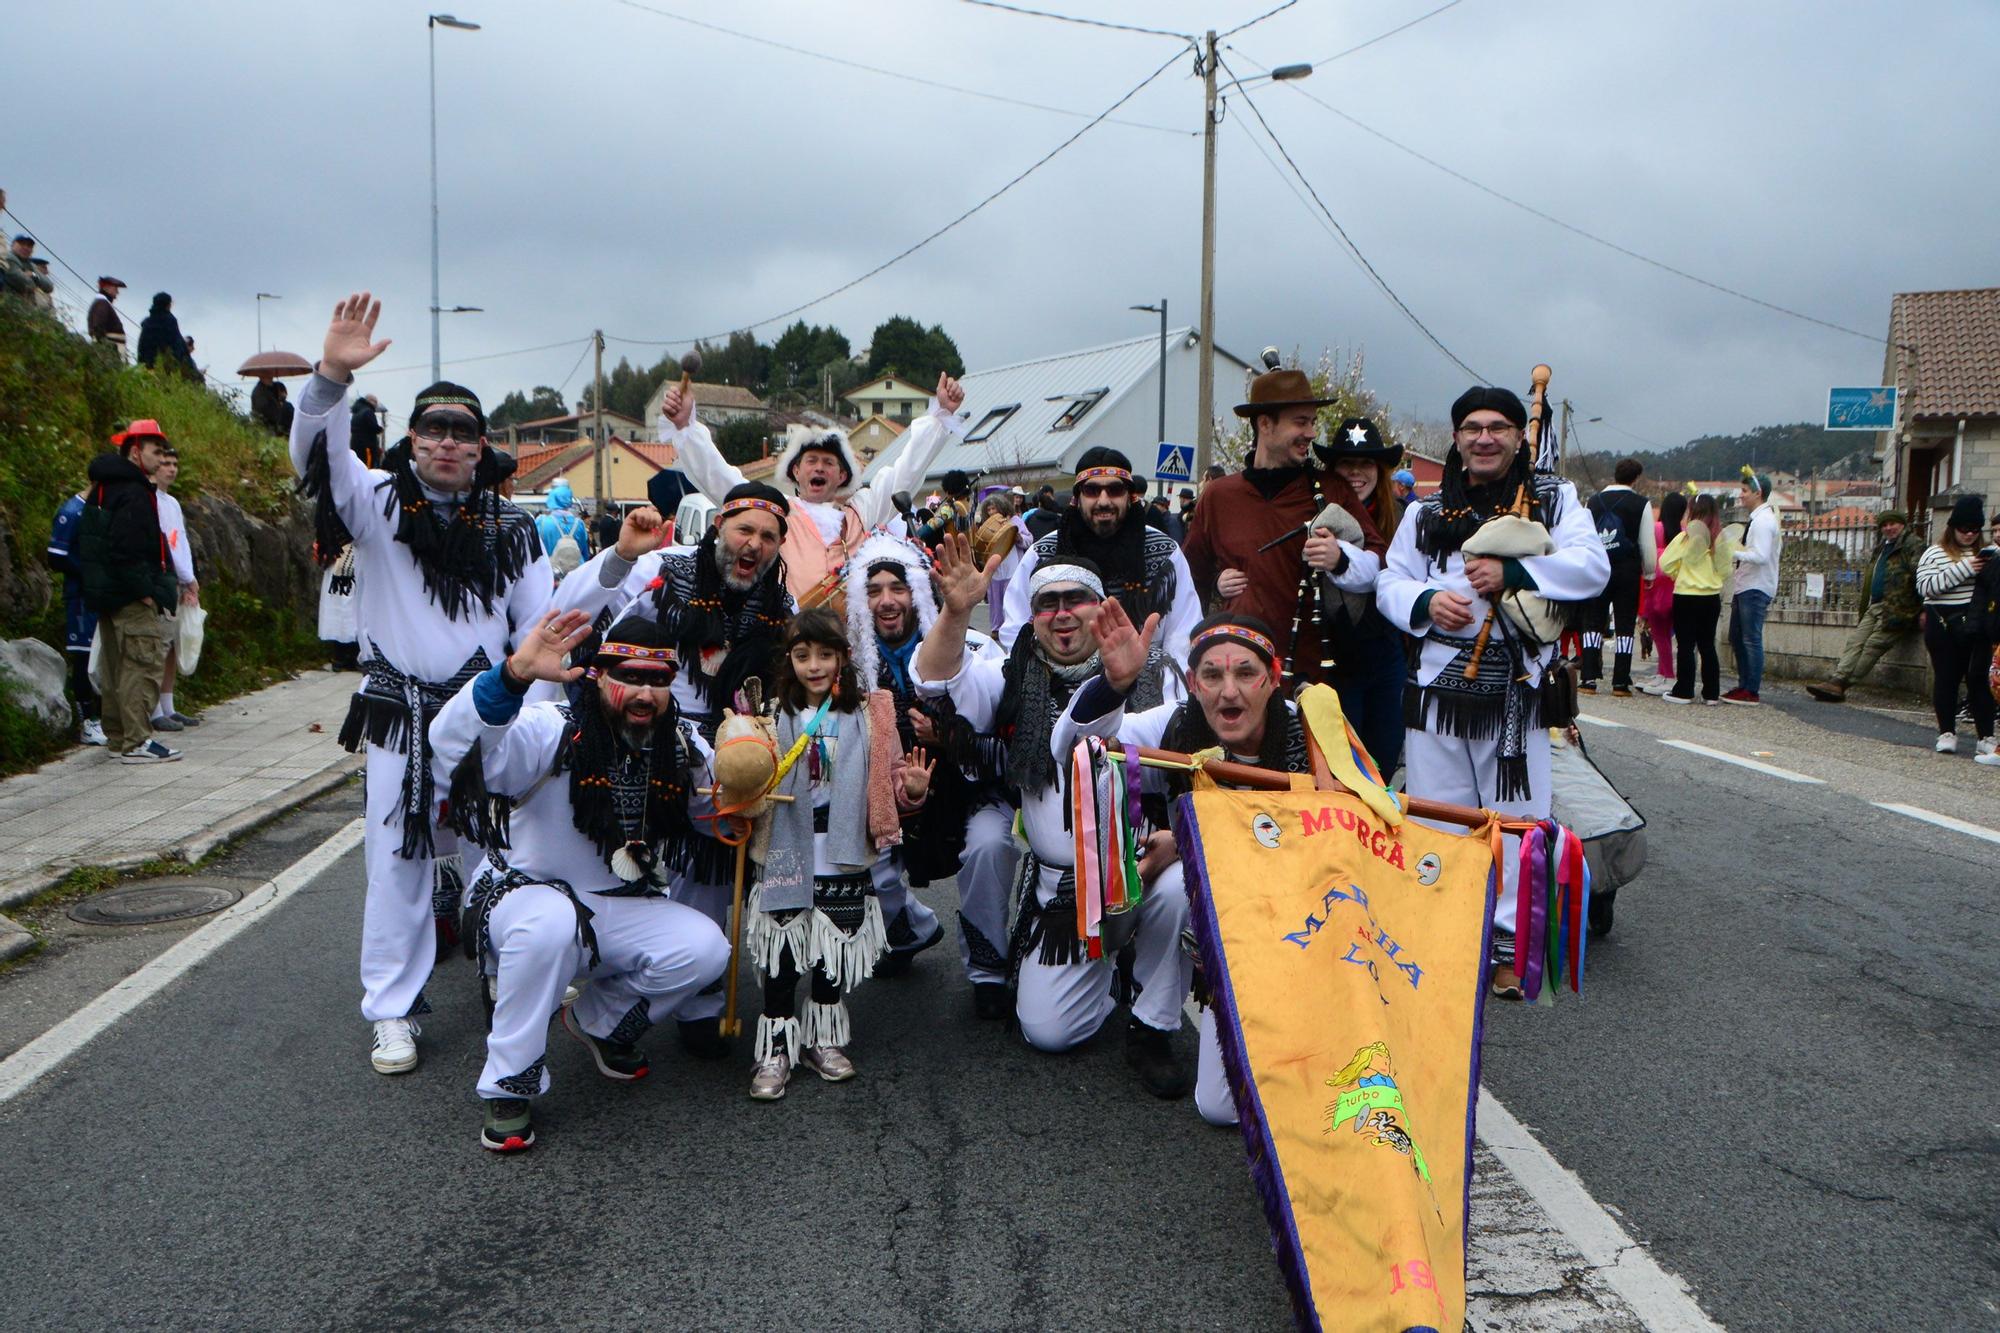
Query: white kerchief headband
[(1046, 576)]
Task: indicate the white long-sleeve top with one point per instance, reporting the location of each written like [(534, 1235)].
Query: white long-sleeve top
[(1757, 557), (1577, 569), (399, 620), (1943, 581), (874, 504), (173, 527), (518, 759)]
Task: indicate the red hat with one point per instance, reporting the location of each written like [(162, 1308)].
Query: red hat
[(141, 429)]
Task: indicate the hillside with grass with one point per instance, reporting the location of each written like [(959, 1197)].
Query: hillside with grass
[(61, 398)]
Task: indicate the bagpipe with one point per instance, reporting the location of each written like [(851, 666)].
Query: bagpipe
[(1514, 535)]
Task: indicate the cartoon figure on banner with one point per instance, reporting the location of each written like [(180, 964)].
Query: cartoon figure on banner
[(1366, 1094)]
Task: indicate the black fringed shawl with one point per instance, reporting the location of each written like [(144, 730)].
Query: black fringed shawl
[(700, 612)]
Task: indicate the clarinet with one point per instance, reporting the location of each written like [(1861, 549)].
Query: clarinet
[(1308, 594)]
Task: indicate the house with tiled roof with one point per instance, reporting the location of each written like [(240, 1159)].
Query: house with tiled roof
[(713, 404), (577, 425), (1944, 359), (872, 436), (892, 395), (629, 464)]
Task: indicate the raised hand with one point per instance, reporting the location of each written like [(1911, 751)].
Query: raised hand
[(1120, 648), (640, 533), (678, 407), (349, 337), (950, 393), (917, 774), (960, 580), (548, 645)]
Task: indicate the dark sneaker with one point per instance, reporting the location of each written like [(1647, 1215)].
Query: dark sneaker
[(614, 1059), (187, 721), (1587, 687), (702, 1038), (1739, 695), (509, 1126), (990, 1000), (904, 946), (1151, 1053), (1621, 691), (166, 723), (152, 752), (1828, 691)]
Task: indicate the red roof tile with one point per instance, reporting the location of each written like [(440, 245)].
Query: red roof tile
[(1954, 367)]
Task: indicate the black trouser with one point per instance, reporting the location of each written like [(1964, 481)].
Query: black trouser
[(1621, 598), (1954, 662), (781, 988), (1695, 618), (87, 702)]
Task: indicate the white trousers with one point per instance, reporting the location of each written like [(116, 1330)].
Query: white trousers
[(893, 892), (711, 901), (652, 954), (398, 928), (985, 877), (1211, 1076), (1061, 1005), (1466, 772)]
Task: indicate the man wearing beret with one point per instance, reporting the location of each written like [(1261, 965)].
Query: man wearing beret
[(1477, 734), (1889, 606)]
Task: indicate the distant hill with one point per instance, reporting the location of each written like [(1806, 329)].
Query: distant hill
[(1801, 447)]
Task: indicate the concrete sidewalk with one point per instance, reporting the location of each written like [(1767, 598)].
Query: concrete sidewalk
[(251, 758)]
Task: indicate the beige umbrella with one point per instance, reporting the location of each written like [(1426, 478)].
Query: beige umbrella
[(275, 365)]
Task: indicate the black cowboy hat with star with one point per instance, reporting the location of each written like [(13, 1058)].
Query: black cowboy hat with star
[(1357, 438)]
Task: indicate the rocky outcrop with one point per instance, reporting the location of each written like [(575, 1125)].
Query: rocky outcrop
[(25, 585), (35, 675), (272, 561)]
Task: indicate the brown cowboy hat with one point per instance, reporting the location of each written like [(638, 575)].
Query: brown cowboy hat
[(1275, 390)]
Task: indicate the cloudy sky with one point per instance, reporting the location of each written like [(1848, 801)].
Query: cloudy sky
[(607, 165)]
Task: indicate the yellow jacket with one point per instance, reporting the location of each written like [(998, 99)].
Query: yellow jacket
[(1698, 567)]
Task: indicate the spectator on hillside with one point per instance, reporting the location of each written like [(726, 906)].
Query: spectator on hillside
[(564, 535), (45, 297), (285, 409), (160, 335), (17, 271), (129, 582), (102, 322), (1047, 514), (1956, 633), (1890, 606), (364, 425), (263, 401), (79, 621), (173, 528)]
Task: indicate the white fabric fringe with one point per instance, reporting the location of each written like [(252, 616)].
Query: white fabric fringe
[(849, 959), (766, 939), (771, 1031), (826, 1025)]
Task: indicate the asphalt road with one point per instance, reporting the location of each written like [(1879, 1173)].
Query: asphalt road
[(1783, 1074), (225, 1157)]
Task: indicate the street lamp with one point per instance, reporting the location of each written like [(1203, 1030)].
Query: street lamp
[(261, 298), (435, 22), (1205, 395), (1161, 310)]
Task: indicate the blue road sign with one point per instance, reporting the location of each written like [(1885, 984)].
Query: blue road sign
[(1176, 463), (1861, 409)]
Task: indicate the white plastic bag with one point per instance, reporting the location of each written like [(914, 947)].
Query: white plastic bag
[(96, 657), (192, 619)]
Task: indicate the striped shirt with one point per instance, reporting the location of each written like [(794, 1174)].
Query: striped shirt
[(1943, 581)]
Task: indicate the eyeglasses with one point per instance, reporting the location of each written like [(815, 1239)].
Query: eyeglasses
[(1049, 603), (441, 426), (632, 673), (1498, 430), (1091, 490)]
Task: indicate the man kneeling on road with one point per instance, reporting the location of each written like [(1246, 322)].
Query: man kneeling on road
[(585, 813)]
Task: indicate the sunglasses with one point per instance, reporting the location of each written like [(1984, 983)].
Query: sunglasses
[(1049, 603), (440, 426), (1091, 490)]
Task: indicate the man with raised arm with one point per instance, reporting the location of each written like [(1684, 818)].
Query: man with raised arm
[(831, 517), (451, 574)]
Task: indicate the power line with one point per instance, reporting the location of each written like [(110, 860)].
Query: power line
[(1384, 36), (907, 251), (1279, 9), (563, 388), (468, 360), (1380, 281), (1608, 244), (901, 76), (1083, 22)]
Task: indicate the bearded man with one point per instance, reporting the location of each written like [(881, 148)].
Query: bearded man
[(1062, 995), (1477, 733), (966, 826), (831, 516), (1143, 568), (448, 574), (584, 811), (1247, 544), (1234, 675), (722, 605)]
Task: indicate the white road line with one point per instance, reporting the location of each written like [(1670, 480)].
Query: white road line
[(1769, 770), (1595, 720), (1942, 821), (1661, 1300), (20, 1070)]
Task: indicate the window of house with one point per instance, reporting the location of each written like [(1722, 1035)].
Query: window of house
[(983, 428), (875, 409), (1077, 406)]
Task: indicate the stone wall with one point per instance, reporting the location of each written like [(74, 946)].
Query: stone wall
[(1806, 645)]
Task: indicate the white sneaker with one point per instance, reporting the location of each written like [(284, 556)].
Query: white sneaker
[(93, 732), (1947, 742), (395, 1045), (1987, 753)]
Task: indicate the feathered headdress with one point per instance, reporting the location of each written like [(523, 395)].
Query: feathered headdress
[(878, 549)]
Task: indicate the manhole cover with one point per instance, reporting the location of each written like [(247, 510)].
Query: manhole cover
[(149, 902)]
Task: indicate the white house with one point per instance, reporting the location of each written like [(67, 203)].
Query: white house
[(1034, 419)]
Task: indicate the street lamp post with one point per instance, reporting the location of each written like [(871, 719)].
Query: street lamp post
[(433, 24), (1161, 309), (261, 298), (1205, 393)]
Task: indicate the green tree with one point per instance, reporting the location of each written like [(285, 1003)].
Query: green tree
[(799, 355), (741, 440), (919, 354), (518, 407), (742, 361)]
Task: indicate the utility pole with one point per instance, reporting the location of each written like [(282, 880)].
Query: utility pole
[(1205, 394), (597, 409)]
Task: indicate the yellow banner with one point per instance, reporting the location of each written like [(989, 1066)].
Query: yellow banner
[(1344, 960)]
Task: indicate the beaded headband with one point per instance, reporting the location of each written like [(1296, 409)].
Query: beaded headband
[(1243, 632), (640, 651), (770, 507), (1104, 474)]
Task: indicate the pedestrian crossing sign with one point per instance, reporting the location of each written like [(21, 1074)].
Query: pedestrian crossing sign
[(1176, 463)]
